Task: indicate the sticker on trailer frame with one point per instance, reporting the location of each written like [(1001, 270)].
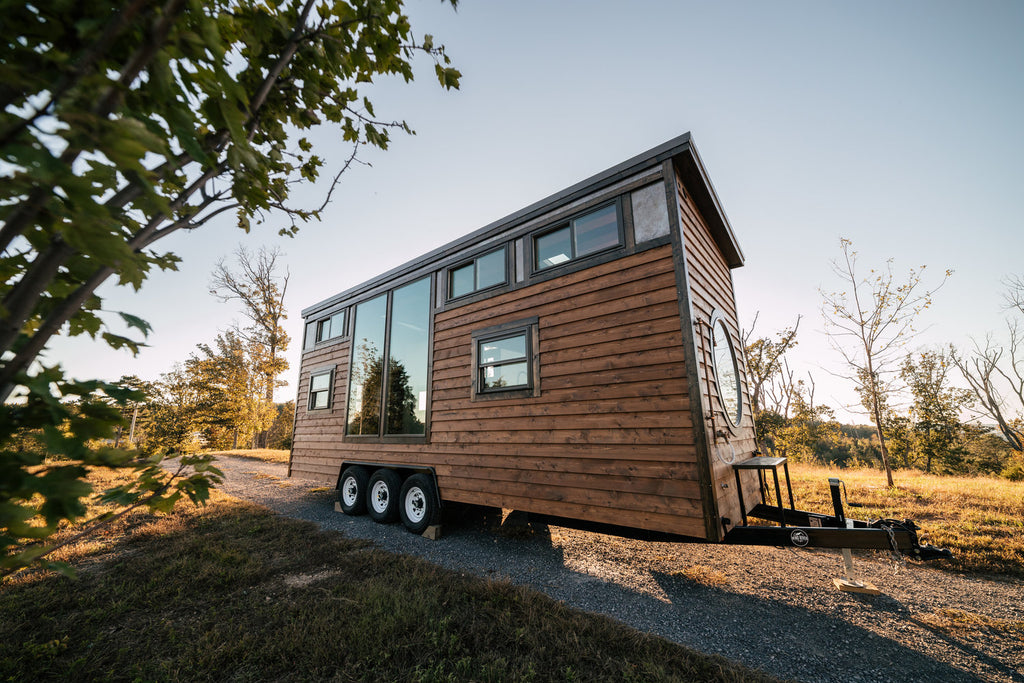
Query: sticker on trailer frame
[(799, 537)]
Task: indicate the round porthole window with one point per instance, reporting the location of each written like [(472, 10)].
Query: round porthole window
[(726, 371)]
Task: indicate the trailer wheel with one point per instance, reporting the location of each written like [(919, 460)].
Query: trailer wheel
[(352, 492), (382, 495), (418, 506)]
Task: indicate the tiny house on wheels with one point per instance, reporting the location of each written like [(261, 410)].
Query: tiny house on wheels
[(578, 360)]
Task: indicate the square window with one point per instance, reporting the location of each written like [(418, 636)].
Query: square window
[(596, 231), (490, 269), (553, 248), (505, 361)]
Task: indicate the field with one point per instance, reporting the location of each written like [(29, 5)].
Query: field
[(980, 519), (234, 592)]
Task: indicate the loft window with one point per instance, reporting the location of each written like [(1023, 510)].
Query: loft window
[(585, 234), (320, 390), (483, 272), (504, 360), (325, 329)]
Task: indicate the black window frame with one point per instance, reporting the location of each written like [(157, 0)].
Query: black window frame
[(382, 436), (449, 272), (314, 329), (527, 327), (320, 372), (569, 224)]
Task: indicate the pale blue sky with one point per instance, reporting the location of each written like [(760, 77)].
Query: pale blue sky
[(896, 125)]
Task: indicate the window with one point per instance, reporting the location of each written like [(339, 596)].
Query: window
[(367, 368), (390, 399), (324, 329), (727, 376), (584, 235), (504, 360), (482, 272), (503, 363), (320, 390)]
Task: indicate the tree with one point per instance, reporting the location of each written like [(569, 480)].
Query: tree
[(939, 434), (261, 291), (868, 322), (995, 374), (124, 122), (765, 361), (809, 429)]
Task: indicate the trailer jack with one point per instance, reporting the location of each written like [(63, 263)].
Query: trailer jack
[(802, 529)]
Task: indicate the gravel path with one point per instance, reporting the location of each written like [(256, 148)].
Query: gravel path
[(769, 608)]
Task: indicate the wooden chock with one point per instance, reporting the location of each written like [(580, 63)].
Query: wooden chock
[(337, 506), (432, 532), (851, 583)]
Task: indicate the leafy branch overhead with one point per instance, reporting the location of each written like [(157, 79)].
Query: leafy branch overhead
[(122, 123)]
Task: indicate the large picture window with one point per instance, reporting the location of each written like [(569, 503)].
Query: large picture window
[(367, 369), (586, 234), (390, 399)]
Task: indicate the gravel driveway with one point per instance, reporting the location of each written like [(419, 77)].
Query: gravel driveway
[(769, 608)]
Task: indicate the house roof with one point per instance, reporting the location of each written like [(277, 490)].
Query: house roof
[(681, 150)]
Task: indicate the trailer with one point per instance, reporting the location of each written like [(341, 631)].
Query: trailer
[(579, 360)]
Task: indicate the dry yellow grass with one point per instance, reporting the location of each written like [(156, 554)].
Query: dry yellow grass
[(981, 519), (266, 454)]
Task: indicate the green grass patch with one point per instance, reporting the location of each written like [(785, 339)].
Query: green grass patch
[(980, 519), (234, 592)]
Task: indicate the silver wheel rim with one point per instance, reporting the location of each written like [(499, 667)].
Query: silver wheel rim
[(379, 495), (415, 505), (349, 491)]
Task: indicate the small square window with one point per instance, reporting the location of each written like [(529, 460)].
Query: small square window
[(320, 390), (505, 361)]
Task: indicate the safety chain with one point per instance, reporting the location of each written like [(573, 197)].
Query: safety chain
[(898, 561)]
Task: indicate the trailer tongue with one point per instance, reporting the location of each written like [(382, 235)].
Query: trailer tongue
[(815, 530)]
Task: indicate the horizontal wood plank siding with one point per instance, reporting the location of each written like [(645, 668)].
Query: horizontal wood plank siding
[(318, 432), (711, 290), (610, 437)]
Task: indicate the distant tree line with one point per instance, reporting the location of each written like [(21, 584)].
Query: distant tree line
[(921, 417)]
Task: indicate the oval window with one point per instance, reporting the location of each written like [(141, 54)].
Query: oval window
[(726, 371)]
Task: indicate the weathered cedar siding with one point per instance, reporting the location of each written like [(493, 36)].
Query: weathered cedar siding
[(711, 290), (609, 439), (318, 432)]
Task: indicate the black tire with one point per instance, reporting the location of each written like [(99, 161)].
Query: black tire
[(382, 495), (352, 492), (418, 504)]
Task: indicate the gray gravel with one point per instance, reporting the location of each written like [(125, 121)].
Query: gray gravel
[(769, 608)]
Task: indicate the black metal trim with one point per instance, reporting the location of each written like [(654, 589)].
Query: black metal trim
[(681, 150), (690, 334)]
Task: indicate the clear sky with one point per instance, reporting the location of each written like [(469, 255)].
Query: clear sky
[(899, 126)]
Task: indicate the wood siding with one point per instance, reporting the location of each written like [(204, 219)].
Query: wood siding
[(610, 437), (711, 289)]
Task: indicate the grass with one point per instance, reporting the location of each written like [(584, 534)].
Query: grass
[(265, 454), (980, 519), (234, 592)]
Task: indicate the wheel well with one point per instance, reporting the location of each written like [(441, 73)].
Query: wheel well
[(403, 471)]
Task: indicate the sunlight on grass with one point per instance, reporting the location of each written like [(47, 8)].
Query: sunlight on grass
[(233, 587), (264, 454), (978, 518)]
